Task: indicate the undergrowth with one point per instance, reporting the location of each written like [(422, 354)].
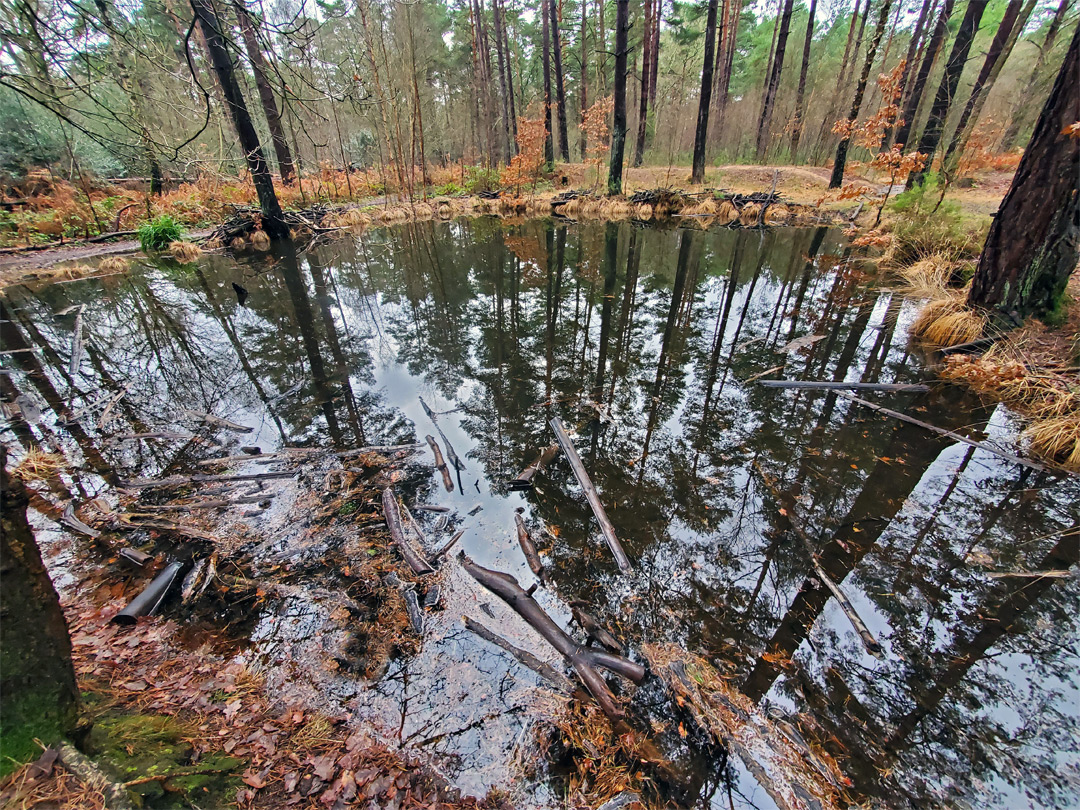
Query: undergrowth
[(159, 233)]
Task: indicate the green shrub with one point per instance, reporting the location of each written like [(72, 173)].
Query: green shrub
[(479, 179), (925, 224), (160, 233), (450, 189)]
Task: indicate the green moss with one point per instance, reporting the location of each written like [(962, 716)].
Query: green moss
[(27, 717), (348, 508), (136, 746)]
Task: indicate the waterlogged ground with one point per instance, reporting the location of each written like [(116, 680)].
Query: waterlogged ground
[(646, 342)]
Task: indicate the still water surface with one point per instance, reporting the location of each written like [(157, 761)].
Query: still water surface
[(645, 341)]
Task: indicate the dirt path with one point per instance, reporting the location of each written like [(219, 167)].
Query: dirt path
[(19, 263)]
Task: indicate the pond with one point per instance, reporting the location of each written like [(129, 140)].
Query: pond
[(647, 342)]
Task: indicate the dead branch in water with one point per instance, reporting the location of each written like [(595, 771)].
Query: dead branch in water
[(459, 465), (529, 549), (590, 493), (903, 417), (440, 464), (555, 679), (591, 625), (449, 545), (77, 343), (525, 477), (414, 558), (584, 660), (185, 480), (845, 386), (865, 636)]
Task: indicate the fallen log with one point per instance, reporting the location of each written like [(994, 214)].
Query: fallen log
[(903, 417), (845, 386), (529, 549), (378, 448), (216, 503), (412, 604), (970, 346), (590, 493), (583, 660), (591, 625), (449, 545), (865, 636), (147, 602), (413, 558), (114, 796), (555, 679), (525, 477), (198, 478), (217, 421), (76, 344), (440, 464), (459, 465)]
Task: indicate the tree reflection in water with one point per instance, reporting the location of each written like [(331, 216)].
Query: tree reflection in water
[(641, 339)]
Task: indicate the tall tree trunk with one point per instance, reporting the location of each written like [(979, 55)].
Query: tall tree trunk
[(836, 99), (266, 93), (505, 93), (914, 97), (730, 42), (509, 72), (37, 678), (601, 48), (487, 86), (560, 92), (800, 95), (946, 91), (1016, 17), (549, 134), (1026, 99), (654, 52), (584, 93), (221, 59), (765, 120), (701, 133), (837, 178), (618, 124), (1034, 241), (643, 96), (909, 61)]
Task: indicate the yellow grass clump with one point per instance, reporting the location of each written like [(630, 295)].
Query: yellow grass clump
[(616, 209), (114, 264), (643, 211), (238, 243), (260, 240), (1057, 438), (929, 277), (40, 465), (947, 321), (185, 251), (348, 218)]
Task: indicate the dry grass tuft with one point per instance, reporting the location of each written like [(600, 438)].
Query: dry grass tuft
[(260, 240), (238, 243), (947, 321), (114, 264), (644, 211), (928, 278), (39, 465), (1057, 438), (347, 218), (185, 251)]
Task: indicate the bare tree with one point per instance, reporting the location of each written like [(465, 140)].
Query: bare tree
[(618, 123), (701, 133)]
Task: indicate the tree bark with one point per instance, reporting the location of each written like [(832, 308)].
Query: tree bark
[(643, 96), (946, 91), (560, 91), (837, 178), (1020, 111), (701, 134), (266, 93), (800, 96), (505, 88), (618, 124), (1016, 17), (584, 95), (221, 59), (914, 97), (655, 54), (37, 678), (765, 120), (549, 135), (1034, 241)]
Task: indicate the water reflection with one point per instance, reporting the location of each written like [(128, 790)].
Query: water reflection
[(643, 340)]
